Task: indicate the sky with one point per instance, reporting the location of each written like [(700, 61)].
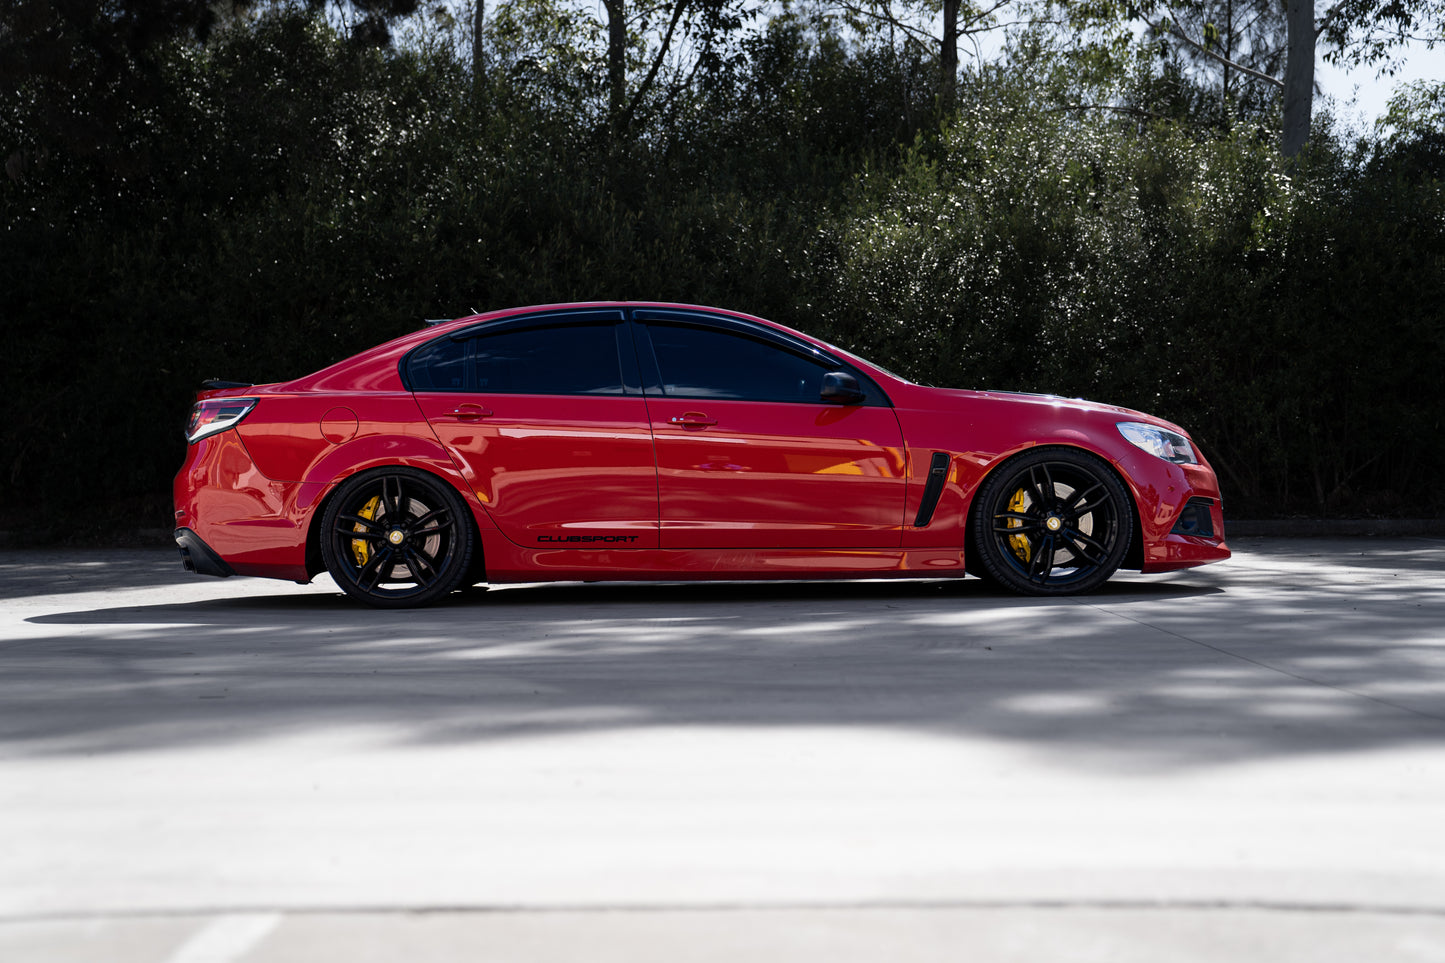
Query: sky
[(1360, 97)]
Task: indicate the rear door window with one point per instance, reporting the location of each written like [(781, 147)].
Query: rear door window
[(554, 359)]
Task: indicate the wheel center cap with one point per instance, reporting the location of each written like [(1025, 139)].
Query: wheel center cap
[(1053, 523), (396, 536)]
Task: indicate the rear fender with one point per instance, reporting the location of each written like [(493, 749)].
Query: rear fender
[(366, 454)]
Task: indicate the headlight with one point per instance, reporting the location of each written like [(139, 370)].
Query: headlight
[(1161, 442), (216, 414)]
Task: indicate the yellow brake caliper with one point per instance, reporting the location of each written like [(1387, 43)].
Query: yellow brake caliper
[(360, 550), (1019, 543)]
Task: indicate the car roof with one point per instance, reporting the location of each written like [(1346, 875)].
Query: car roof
[(375, 368)]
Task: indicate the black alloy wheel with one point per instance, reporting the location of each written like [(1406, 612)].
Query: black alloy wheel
[(1053, 521), (396, 537)]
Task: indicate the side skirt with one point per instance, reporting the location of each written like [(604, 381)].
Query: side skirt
[(507, 562)]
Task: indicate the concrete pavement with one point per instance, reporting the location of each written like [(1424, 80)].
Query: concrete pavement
[(1240, 762)]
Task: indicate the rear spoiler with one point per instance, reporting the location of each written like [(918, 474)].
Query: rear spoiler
[(433, 322)]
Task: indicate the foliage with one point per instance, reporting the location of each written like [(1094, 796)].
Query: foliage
[(1280, 315), (304, 196), (1417, 110), (88, 77), (1372, 31)]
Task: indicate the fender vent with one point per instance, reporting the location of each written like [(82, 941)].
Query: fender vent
[(937, 475)]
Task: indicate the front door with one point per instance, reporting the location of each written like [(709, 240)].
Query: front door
[(747, 454)]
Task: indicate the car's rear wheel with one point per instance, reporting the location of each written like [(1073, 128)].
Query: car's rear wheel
[(396, 537), (1054, 521)]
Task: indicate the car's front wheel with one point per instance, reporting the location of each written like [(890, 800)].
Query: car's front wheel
[(1054, 521), (396, 537)]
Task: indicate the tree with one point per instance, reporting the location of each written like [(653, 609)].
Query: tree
[(647, 35), (914, 20), (1248, 33), (637, 58), (1354, 32), (1416, 110)]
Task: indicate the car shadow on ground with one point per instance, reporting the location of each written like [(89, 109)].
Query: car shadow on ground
[(559, 595)]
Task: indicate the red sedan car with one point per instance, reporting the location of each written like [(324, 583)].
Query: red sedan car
[(659, 441)]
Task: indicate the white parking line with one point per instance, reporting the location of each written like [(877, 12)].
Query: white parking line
[(226, 938)]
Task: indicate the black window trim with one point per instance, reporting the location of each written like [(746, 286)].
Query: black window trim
[(652, 373), (541, 319)]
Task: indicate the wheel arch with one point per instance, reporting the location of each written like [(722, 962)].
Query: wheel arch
[(1133, 557), (314, 562)]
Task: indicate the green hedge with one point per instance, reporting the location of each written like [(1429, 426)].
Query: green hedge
[(293, 199)]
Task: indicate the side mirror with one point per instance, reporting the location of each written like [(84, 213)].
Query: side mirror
[(841, 388)]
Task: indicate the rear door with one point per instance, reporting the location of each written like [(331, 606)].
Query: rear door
[(545, 417)]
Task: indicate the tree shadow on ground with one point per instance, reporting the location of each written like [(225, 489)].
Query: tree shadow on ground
[(1278, 655), (64, 571)]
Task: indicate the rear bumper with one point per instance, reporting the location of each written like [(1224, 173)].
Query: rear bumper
[(232, 520), (198, 557)]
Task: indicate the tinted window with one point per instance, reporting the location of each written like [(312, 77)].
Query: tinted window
[(707, 363), (558, 360)]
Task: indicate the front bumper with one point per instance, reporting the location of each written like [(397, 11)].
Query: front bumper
[(1181, 513), (1195, 538)]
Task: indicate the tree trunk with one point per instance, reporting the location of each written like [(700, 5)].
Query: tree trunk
[(1299, 75), (1224, 111), (616, 63), (948, 56), (479, 57)]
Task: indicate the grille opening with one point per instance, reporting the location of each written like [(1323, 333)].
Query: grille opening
[(1196, 519)]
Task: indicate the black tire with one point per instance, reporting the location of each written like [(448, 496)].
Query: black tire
[(1053, 521), (396, 537)]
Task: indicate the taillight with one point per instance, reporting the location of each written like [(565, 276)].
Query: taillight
[(216, 414)]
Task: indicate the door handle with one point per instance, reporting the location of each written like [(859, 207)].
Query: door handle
[(469, 412), (692, 419)]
